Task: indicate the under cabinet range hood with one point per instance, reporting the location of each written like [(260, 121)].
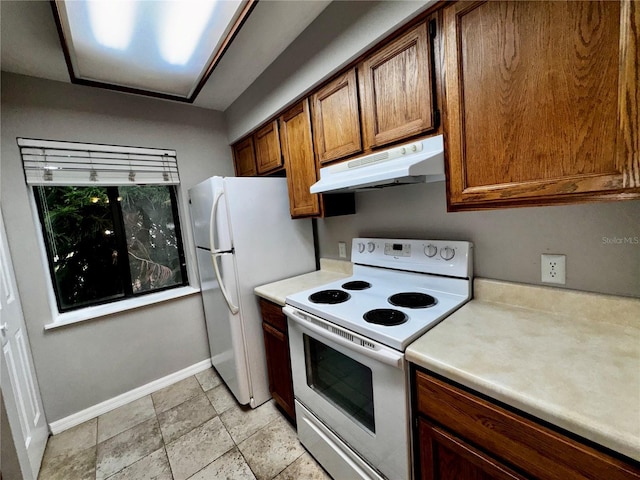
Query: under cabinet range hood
[(417, 162)]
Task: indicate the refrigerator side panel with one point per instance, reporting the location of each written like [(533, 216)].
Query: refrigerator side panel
[(202, 198), (212, 300), (224, 330), (269, 246), (200, 203)]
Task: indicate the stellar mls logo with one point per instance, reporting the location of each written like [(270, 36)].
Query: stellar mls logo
[(621, 240)]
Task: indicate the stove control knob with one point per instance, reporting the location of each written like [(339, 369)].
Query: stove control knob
[(360, 247), (430, 250), (371, 246), (447, 253)]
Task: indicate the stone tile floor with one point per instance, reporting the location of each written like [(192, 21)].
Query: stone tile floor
[(193, 429)]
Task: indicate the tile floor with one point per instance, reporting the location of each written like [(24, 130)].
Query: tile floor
[(193, 429)]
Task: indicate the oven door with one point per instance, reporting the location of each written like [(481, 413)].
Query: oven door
[(355, 387)]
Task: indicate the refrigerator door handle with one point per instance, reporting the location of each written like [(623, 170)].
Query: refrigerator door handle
[(212, 223), (232, 308)]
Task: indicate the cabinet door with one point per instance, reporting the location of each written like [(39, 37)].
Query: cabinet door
[(396, 89), (273, 314), (336, 119), (299, 160), (267, 143), (244, 158), (445, 457), (529, 446), (541, 102), (276, 345)]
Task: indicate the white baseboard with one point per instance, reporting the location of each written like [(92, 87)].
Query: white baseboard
[(96, 410)]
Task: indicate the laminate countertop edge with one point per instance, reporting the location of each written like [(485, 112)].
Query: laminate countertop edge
[(579, 371), (330, 270)]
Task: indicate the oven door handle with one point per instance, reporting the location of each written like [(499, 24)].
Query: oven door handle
[(353, 341)]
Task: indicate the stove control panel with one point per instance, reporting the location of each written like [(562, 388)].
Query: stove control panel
[(430, 250), (447, 253), (397, 249), (440, 257)]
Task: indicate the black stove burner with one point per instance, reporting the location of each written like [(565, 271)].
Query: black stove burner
[(356, 285), (412, 300), (329, 296), (385, 316)]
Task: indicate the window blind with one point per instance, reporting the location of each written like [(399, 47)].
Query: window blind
[(48, 162)]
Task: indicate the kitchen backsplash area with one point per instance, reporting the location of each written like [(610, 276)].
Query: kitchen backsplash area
[(601, 241)]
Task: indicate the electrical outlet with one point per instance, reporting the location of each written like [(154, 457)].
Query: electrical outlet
[(342, 249), (553, 268)]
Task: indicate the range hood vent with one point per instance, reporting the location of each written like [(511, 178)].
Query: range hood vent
[(417, 162)]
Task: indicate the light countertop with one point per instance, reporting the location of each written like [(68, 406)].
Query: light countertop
[(330, 270), (570, 358)]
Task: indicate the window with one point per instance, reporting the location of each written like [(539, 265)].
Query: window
[(109, 243), (341, 380), (109, 219)]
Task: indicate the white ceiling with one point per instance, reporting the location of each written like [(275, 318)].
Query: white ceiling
[(30, 44)]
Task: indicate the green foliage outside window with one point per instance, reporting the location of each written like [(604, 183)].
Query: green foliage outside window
[(106, 243)]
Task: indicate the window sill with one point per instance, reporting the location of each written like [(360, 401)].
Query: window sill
[(90, 313)]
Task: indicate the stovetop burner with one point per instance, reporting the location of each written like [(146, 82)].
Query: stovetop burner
[(329, 296), (356, 285), (412, 300), (385, 316), (409, 291)]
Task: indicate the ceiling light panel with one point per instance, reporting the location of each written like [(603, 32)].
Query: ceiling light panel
[(161, 47)]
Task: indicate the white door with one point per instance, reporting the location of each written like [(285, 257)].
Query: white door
[(18, 380)]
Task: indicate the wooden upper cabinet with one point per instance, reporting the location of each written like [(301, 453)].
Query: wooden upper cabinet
[(244, 158), (541, 102), (299, 160), (396, 89), (336, 118), (267, 145)]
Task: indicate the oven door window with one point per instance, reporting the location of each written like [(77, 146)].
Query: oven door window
[(345, 383)]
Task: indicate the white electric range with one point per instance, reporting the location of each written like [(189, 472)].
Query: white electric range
[(347, 341)]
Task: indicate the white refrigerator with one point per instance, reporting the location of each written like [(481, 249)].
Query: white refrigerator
[(244, 237)]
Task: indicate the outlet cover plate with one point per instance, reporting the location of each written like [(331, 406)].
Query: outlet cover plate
[(553, 268), (342, 249)]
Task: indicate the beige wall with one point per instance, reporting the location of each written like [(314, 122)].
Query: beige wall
[(508, 242), (83, 364)]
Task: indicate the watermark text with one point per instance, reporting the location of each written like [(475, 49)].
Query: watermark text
[(621, 240)]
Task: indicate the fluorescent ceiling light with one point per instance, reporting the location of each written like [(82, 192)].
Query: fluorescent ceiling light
[(165, 48), (112, 22), (182, 28)]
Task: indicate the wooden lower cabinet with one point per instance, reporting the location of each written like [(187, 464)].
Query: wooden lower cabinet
[(462, 436), (446, 457), (276, 343)]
